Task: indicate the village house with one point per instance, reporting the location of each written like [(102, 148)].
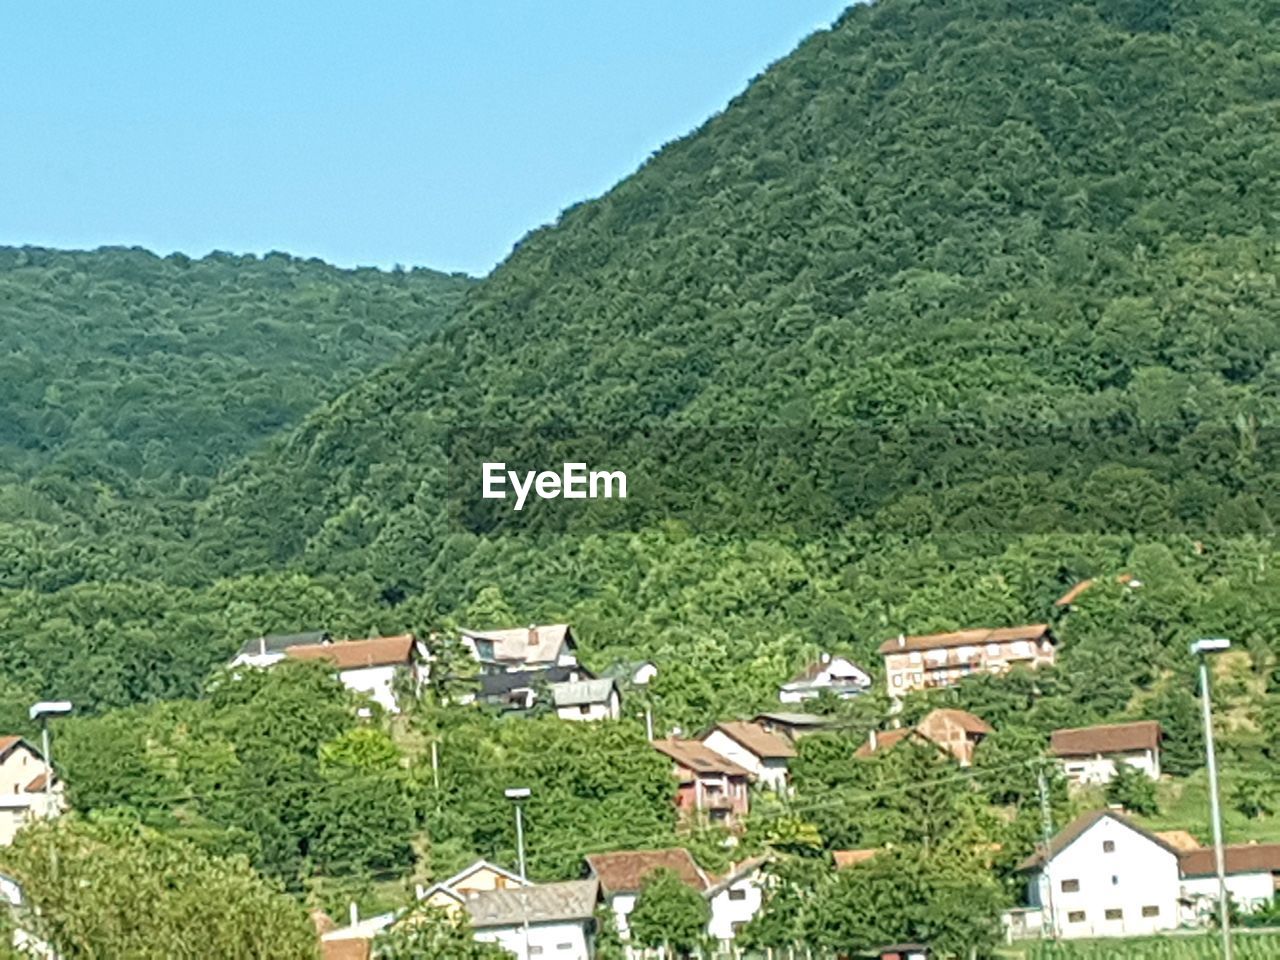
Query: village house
[(957, 732), (735, 899), (560, 918), (710, 785), (522, 648), (23, 798), (371, 666), (268, 650), (793, 726), (589, 700), (836, 675), (1252, 872), (763, 754), (479, 877), (622, 874), (1090, 754), (1101, 876), (943, 659), (521, 689)]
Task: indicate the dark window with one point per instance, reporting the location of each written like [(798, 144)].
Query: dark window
[(1151, 911), (1075, 916), (737, 894), (1108, 846), (1115, 881), (1114, 913), (1070, 886)]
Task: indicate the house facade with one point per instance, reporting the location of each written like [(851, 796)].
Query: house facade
[(710, 785), (23, 798), (560, 918), (622, 874), (735, 899), (836, 675), (1102, 876), (372, 666), (956, 732), (587, 700), (1252, 873), (480, 877), (934, 660), (1090, 754), (522, 648), (763, 754)]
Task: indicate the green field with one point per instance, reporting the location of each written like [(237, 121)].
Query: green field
[(1246, 946)]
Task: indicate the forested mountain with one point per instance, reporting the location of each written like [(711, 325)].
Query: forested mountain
[(131, 367), (956, 304)]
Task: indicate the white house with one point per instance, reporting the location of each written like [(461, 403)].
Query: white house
[(522, 648), (1252, 873), (622, 873), (838, 675), (23, 798), (1102, 876), (1090, 754), (560, 917), (587, 700), (734, 899), (370, 666), (750, 745)]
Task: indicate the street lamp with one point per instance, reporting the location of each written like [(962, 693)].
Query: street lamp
[(517, 796), (1202, 649), (42, 711)]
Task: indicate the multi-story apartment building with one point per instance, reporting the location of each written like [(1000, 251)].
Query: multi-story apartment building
[(943, 659)]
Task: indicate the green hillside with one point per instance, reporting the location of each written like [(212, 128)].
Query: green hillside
[(955, 305)]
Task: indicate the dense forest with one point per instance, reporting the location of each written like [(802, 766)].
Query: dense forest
[(960, 303)]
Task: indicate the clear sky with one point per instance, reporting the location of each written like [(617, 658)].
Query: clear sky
[(420, 132)]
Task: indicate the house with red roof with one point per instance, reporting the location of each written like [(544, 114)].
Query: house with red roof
[(711, 786), (1251, 871), (933, 660), (763, 753), (373, 666), (956, 732), (1091, 754), (23, 778)]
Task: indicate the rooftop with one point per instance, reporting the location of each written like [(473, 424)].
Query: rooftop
[(531, 644), (1238, 858), (582, 692), (693, 755), (354, 654), (1077, 827), (624, 871), (757, 739), (965, 638), (278, 642), (1108, 738), (544, 903)]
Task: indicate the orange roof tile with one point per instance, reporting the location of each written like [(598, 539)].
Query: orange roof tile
[(962, 638), (624, 871), (696, 757), (1237, 858), (1107, 738), (354, 654), (757, 739), (851, 858)]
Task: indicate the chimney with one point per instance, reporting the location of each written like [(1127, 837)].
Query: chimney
[(355, 913), (533, 635), (902, 640), (874, 742), (824, 657), (262, 646)]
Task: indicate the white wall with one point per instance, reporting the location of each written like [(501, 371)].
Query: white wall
[(1248, 890), (595, 711), (772, 773), (726, 910), (622, 904), (1137, 873), (559, 941), (375, 681), (1100, 769)]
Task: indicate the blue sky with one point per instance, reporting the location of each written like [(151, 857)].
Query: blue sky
[(422, 133)]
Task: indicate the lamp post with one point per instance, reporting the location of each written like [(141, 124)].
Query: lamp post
[(1201, 649), (42, 711), (517, 796)]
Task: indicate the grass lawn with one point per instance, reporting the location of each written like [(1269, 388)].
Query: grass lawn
[(1184, 804), (1197, 946)]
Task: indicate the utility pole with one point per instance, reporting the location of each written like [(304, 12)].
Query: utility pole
[(1046, 835), (516, 795), (1201, 649)]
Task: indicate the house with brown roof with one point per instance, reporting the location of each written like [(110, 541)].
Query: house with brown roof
[(710, 785), (1090, 754), (957, 732), (371, 666), (1100, 876), (23, 798), (522, 648), (1252, 872), (839, 676), (763, 754), (622, 874), (943, 659)]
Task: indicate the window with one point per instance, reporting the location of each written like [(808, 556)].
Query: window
[(585, 709), (1151, 911), (1070, 886), (1115, 913), (535, 951), (897, 679), (1115, 881), (737, 894), (564, 946), (1075, 916), (1108, 846)]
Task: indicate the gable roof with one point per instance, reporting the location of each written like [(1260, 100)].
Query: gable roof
[(450, 882), (1074, 593), (1180, 839), (695, 756), (531, 644), (754, 737), (539, 903), (1237, 858), (1107, 738), (813, 670), (736, 873), (851, 858), (965, 638), (11, 742), (887, 739), (355, 654), (968, 722), (1077, 827), (582, 692), (624, 871), (277, 642), (795, 721)]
